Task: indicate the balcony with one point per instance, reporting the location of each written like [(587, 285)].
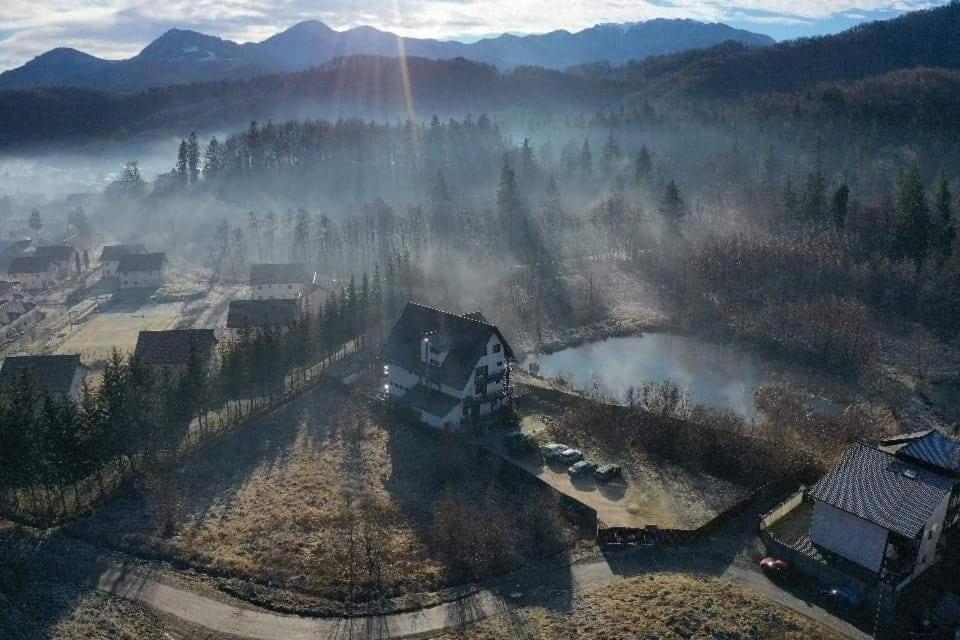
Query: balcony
[(505, 392)]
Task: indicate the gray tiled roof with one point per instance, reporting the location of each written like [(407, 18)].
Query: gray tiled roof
[(466, 337), (55, 373), (936, 450), (173, 348), (280, 273), (261, 313), (881, 489), (30, 264), (430, 400), (141, 262), (59, 252), (114, 251)]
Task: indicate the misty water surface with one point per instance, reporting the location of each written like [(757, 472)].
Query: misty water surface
[(718, 376)]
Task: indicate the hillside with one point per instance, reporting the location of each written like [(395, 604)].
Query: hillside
[(920, 39), (181, 56), (359, 86)]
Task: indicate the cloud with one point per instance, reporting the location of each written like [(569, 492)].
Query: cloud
[(120, 28)]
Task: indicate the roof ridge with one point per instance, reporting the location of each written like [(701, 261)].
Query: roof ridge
[(451, 314)]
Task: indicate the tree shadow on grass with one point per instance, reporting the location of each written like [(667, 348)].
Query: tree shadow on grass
[(482, 518), (207, 480)]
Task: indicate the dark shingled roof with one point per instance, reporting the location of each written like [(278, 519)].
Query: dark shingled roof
[(30, 264), (286, 273), (261, 313), (173, 347), (140, 262), (881, 489), (434, 402), (465, 336), (115, 251), (60, 252), (934, 449), (55, 373)]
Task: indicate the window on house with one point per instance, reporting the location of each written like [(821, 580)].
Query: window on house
[(500, 363), (464, 410), (289, 286), (496, 348)]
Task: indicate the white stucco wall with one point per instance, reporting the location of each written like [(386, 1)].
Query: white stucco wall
[(284, 291), (844, 533), (141, 279), (34, 281), (927, 554)]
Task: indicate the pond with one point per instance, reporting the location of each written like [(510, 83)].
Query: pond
[(717, 375)]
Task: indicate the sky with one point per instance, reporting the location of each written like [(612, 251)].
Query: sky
[(121, 28)]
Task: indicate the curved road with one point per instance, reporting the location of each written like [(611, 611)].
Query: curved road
[(136, 584)]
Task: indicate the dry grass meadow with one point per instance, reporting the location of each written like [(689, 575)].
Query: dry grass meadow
[(326, 499), (665, 607)]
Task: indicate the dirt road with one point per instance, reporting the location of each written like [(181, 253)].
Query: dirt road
[(137, 584)]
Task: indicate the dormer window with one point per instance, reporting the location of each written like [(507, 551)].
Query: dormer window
[(496, 348)]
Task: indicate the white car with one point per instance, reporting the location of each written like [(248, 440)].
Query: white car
[(553, 450), (569, 456)]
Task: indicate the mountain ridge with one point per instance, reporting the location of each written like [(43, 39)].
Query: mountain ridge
[(182, 56)]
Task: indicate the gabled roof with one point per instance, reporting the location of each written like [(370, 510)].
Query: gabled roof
[(881, 489), (12, 247), (55, 373), (173, 348), (465, 337), (30, 264), (141, 262), (59, 252), (114, 251), (280, 273), (261, 313), (934, 449)]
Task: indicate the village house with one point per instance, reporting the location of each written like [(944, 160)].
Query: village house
[(934, 451), (278, 281), (141, 270), (447, 367), (169, 352), (10, 249), (65, 258), (33, 272), (61, 376), (261, 315), (111, 254), (881, 513)]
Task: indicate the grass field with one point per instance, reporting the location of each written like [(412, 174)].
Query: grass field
[(118, 327), (322, 498), (665, 607)]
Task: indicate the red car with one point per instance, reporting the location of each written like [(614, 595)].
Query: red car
[(775, 567)]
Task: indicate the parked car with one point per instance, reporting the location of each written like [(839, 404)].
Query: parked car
[(519, 443), (775, 567), (582, 468), (608, 472), (841, 597), (569, 456), (553, 450)]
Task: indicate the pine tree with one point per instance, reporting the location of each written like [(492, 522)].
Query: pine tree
[(182, 168), (610, 156), (672, 207), (912, 224), (946, 230), (839, 204), (193, 158), (586, 159), (643, 166)]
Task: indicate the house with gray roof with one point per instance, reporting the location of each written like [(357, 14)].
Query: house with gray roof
[(261, 315), (141, 270), (883, 513), (170, 352), (278, 281), (448, 368), (60, 376), (64, 257), (936, 452), (111, 254), (34, 273)]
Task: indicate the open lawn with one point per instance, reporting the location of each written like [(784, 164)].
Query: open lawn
[(325, 498), (117, 327), (665, 607)]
